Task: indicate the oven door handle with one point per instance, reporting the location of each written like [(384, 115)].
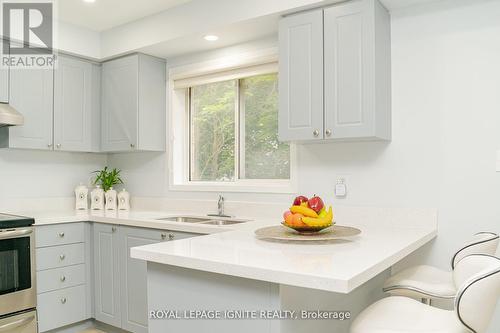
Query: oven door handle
[(17, 323), (15, 233)]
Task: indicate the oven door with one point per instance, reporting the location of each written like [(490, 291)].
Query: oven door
[(24, 322), (17, 270)]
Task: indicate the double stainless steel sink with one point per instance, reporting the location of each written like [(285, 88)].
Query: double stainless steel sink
[(202, 220)]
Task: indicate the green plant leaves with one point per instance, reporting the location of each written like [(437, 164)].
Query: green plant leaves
[(107, 178)]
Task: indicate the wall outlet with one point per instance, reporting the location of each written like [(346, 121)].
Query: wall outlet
[(498, 160)]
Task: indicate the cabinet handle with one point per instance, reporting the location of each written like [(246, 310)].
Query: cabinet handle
[(61, 234), (328, 132), (62, 256), (58, 146), (113, 229), (63, 278), (316, 133), (63, 300), (171, 236)]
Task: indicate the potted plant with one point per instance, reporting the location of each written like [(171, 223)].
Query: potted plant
[(107, 178)]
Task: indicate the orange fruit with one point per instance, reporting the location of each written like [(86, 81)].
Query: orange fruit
[(289, 219)]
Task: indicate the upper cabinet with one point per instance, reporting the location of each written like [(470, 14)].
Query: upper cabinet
[(61, 107), (31, 93), (301, 76), (335, 70), (133, 104), (76, 105)]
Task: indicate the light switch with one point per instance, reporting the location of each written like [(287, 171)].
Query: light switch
[(498, 160)]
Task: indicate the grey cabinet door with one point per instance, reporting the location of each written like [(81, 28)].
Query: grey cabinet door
[(120, 104), (31, 93), (301, 77), (4, 79), (73, 105), (107, 274), (134, 274), (134, 278), (349, 75)]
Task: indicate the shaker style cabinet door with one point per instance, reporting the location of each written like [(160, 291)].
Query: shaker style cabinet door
[(31, 93), (134, 282), (74, 110), (107, 274), (301, 76), (120, 104), (357, 70)]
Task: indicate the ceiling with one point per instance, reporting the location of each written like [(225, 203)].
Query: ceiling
[(105, 14)]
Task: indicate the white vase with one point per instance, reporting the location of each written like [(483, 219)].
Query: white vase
[(81, 193), (123, 200), (97, 198), (110, 199)]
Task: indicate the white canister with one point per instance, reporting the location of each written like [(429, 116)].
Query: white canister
[(97, 198), (123, 200), (110, 199), (81, 193)]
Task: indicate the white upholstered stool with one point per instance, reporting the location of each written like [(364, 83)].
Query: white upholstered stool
[(478, 281), (430, 283)]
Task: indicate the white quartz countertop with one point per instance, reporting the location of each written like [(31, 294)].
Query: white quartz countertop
[(339, 266)]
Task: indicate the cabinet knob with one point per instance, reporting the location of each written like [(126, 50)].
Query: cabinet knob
[(113, 229), (63, 300), (328, 132), (62, 256), (49, 145), (63, 278), (163, 236), (316, 133), (58, 146), (132, 146), (171, 236), (61, 234)]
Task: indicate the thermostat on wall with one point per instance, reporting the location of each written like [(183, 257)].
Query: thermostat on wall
[(340, 188)]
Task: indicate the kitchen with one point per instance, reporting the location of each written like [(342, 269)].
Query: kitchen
[(428, 176)]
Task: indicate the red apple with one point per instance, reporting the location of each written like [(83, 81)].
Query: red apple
[(316, 204), (300, 199)]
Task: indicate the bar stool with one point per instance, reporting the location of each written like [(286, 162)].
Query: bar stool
[(478, 280), (430, 283)]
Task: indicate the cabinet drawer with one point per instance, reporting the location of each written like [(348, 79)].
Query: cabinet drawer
[(60, 256), (59, 234), (58, 278), (61, 307)]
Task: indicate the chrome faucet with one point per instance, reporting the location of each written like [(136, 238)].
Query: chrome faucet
[(220, 208)]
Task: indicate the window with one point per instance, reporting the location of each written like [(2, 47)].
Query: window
[(233, 131)]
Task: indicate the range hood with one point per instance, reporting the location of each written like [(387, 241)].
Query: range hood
[(9, 116)]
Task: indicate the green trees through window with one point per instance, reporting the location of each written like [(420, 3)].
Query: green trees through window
[(234, 131)]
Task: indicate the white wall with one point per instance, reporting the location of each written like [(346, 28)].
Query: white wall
[(446, 130), (34, 174)]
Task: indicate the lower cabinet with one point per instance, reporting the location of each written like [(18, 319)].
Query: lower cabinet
[(64, 279), (121, 281)]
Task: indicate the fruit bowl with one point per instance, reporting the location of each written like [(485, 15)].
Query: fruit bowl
[(308, 216), (307, 229)]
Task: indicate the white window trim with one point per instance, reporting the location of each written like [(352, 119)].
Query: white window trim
[(178, 165)]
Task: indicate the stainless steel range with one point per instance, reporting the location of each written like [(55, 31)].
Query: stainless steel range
[(17, 275)]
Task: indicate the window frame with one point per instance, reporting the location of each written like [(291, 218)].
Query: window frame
[(180, 144)]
